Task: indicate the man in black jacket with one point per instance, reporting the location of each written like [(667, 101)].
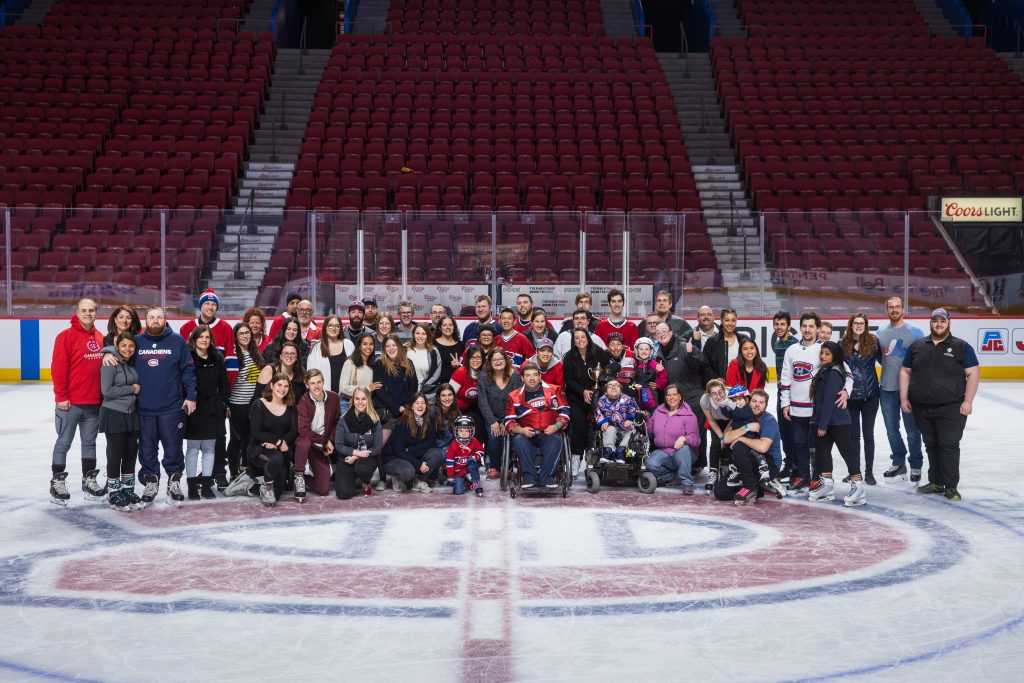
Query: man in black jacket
[(938, 382)]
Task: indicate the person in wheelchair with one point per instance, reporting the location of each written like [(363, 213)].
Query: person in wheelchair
[(615, 416), (535, 414)]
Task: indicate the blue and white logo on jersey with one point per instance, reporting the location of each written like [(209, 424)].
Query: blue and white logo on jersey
[(802, 371)]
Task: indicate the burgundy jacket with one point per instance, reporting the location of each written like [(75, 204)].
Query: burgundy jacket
[(332, 412)]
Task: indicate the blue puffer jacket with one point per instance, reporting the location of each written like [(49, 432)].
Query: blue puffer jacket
[(865, 381)]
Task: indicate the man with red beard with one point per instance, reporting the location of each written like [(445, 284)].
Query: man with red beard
[(168, 380)]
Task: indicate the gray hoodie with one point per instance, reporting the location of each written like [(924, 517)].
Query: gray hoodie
[(116, 384)]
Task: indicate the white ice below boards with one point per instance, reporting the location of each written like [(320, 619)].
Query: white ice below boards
[(607, 587)]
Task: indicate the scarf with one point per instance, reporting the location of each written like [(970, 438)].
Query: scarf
[(360, 423)]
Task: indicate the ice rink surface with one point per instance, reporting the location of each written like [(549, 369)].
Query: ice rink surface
[(617, 586)]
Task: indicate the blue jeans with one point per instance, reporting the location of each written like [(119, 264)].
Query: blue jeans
[(664, 465), (890, 403), (459, 483), (166, 430), (527, 448), (493, 450)]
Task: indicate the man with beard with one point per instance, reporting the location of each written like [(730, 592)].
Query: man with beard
[(484, 316), (437, 311), (524, 313), (938, 382), (308, 329), (894, 340), (355, 328), (370, 313), (167, 376), (75, 368), (762, 437), (290, 303)]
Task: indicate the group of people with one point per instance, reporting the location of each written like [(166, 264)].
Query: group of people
[(354, 404)]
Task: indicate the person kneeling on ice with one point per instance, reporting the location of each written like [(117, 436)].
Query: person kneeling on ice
[(742, 414), (833, 425), (534, 414), (748, 442), (464, 458), (615, 415)]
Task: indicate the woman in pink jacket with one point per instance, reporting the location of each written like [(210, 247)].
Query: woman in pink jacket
[(674, 437)]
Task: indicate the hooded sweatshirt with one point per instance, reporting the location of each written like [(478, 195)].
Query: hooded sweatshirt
[(166, 372), (75, 365)]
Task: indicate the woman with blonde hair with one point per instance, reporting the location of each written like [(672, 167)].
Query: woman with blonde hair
[(358, 445), (394, 383)]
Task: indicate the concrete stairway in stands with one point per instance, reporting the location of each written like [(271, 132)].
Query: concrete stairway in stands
[(734, 230), (371, 16), (1016, 62), (618, 18), (257, 18), (937, 21), (254, 217), (727, 18)]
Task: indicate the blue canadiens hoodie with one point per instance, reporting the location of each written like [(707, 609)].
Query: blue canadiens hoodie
[(166, 372)]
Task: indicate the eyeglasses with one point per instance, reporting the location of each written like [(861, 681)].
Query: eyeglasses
[(305, 310)]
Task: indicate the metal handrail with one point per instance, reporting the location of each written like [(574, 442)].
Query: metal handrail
[(685, 52), (1020, 31), (303, 47), (247, 216)]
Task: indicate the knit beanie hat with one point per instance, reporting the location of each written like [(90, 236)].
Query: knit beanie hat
[(209, 295)]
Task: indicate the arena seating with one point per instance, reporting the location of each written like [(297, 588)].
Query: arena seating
[(131, 109), (839, 117), (450, 119)]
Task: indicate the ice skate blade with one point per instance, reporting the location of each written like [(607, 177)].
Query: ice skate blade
[(889, 480), (823, 498), (58, 501), (852, 503)]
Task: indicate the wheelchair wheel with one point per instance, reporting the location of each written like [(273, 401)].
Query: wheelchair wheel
[(647, 482), (593, 481), (503, 481)]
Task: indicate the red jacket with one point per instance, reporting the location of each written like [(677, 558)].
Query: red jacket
[(539, 413), (517, 347), (628, 330), (223, 338), (75, 365), (733, 378), (332, 413)]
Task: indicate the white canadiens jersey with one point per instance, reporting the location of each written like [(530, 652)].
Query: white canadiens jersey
[(799, 366)]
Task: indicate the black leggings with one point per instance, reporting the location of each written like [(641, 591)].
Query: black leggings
[(239, 422), (863, 413), (579, 427), (122, 451), (840, 436), (717, 451), (345, 475), (273, 464)]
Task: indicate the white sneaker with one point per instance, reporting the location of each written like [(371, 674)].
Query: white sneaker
[(826, 491), (421, 486), (399, 486), (858, 494)]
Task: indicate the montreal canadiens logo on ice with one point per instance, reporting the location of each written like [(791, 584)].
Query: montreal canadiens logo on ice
[(580, 561)]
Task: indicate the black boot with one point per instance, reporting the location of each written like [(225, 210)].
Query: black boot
[(222, 481), (193, 488), (206, 488)]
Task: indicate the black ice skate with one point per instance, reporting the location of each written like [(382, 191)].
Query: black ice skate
[(59, 489), (91, 487), (175, 496), (149, 493)]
